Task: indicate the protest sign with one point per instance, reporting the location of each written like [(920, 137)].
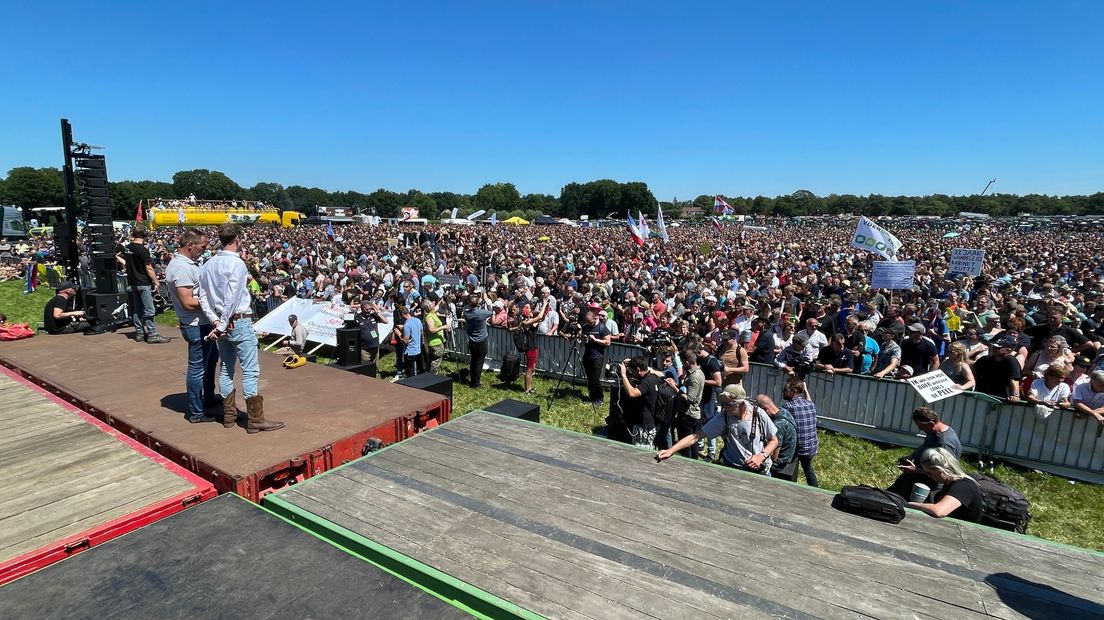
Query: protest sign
[(893, 274), (966, 261), (276, 322), (873, 238), (933, 386), (322, 325)]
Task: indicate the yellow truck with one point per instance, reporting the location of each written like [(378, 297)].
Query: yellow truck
[(209, 213)]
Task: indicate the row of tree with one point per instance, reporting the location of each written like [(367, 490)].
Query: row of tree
[(44, 187)]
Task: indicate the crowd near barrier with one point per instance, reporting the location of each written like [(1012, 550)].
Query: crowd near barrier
[(879, 409)]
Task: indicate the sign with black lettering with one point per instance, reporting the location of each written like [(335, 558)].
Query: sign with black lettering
[(934, 386)]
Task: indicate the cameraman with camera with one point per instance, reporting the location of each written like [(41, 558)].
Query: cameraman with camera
[(639, 381)]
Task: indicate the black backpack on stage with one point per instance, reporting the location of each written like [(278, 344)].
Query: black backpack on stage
[(1003, 506), (871, 502), (511, 368)]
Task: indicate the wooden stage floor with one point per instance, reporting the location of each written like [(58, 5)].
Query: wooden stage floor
[(572, 526), (64, 478), (141, 387)]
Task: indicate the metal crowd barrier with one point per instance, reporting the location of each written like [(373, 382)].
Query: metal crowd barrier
[(880, 409)]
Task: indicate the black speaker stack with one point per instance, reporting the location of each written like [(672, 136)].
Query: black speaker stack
[(516, 409), (87, 200)]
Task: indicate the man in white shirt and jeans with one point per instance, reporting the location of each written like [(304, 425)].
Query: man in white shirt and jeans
[(182, 276), (226, 302)]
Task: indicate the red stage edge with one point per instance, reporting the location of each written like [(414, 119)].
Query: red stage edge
[(61, 549), (258, 484)]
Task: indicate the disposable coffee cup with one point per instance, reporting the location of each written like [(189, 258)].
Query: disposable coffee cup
[(920, 492)]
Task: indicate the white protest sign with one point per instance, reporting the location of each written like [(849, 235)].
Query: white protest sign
[(322, 325), (276, 322), (893, 274), (873, 238), (934, 386), (966, 261)]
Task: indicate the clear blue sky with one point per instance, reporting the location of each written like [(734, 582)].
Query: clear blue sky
[(733, 98)]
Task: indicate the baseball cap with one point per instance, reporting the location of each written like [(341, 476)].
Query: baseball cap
[(735, 391), (1007, 342), (728, 334), (916, 327), (64, 284)]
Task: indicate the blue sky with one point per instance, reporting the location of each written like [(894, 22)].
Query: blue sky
[(729, 97)]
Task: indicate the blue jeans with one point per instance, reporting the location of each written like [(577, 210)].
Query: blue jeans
[(240, 344), (709, 446), (202, 355), (142, 311)]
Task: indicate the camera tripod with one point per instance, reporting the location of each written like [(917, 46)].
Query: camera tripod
[(573, 357)]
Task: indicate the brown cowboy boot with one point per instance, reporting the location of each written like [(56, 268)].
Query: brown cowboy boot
[(230, 410), (254, 405)]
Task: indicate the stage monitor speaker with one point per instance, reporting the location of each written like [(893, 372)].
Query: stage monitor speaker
[(516, 409), (368, 370), (348, 346), (100, 308), (430, 382)]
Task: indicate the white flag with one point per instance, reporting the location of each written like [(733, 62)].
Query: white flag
[(453, 216), (873, 238), (660, 225), (645, 232), (494, 219)]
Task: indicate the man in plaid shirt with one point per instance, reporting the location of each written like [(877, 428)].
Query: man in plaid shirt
[(795, 398)]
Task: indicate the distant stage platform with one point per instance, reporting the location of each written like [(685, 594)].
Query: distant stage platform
[(139, 389), (71, 482), (549, 522)]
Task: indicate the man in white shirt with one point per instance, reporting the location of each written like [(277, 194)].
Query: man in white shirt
[(1088, 398), (816, 339), (226, 302), (182, 276)]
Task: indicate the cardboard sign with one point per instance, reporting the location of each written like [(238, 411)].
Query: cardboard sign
[(966, 261), (934, 386), (893, 274)]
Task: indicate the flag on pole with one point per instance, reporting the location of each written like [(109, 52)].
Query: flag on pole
[(634, 230), (660, 225), (873, 238), (720, 207), (717, 224), (494, 219), (329, 230), (644, 230), (454, 211), (138, 214)]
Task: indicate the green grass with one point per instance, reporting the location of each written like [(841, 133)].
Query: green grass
[(1061, 511)]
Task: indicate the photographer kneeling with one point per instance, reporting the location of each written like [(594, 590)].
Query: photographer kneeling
[(749, 434)]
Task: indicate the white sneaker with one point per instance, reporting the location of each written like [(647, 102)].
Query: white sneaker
[(396, 379)]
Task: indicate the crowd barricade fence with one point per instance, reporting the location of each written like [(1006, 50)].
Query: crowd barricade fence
[(878, 409)]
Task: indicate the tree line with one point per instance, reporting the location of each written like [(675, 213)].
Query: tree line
[(28, 188)]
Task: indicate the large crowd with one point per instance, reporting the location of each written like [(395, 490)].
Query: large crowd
[(711, 300)]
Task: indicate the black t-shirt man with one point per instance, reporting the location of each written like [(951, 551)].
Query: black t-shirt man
[(993, 375), (710, 365), (1040, 333), (649, 392), (55, 326), (917, 354), (595, 350), (829, 357), (137, 257)]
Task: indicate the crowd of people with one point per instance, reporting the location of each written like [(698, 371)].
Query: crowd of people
[(708, 302)]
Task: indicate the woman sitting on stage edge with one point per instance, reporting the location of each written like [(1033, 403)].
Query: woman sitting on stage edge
[(959, 497)]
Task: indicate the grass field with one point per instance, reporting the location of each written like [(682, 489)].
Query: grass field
[(1061, 510)]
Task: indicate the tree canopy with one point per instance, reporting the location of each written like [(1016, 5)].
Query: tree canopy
[(29, 188)]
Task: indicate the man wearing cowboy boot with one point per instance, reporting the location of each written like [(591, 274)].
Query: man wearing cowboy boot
[(226, 301)]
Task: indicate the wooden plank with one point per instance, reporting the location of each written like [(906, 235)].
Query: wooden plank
[(417, 549), (804, 505), (565, 507)]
